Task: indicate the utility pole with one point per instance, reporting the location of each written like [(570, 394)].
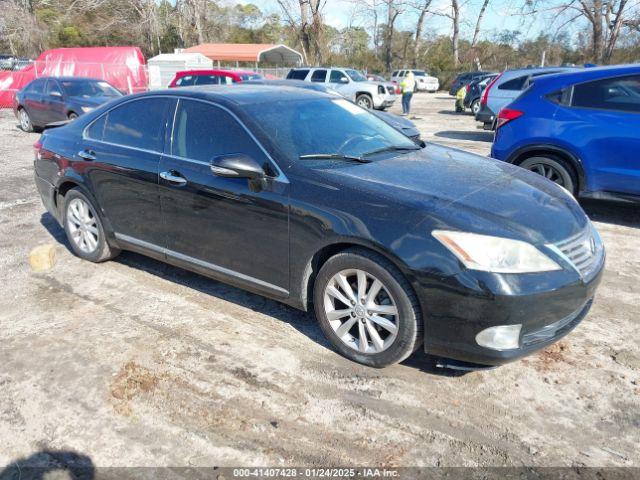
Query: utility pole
[(544, 56)]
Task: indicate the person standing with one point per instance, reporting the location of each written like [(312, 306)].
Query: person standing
[(407, 86)]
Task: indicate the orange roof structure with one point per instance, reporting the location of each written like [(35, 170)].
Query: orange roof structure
[(248, 52)]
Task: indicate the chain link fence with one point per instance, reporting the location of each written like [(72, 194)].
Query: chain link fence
[(15, 73)]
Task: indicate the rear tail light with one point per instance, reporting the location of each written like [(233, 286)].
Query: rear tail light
[(485, 95), (36, 149), (506, 115), (468, 88)]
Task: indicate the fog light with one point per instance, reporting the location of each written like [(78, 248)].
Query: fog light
[(502, 337)]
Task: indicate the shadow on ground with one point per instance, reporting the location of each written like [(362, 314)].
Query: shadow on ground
[(476, 136), (623, 214), (304, 322), (50, 464)]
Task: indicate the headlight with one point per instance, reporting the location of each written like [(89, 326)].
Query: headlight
[(495, 254), (86, 109)]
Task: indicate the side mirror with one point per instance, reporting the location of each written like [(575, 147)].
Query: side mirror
[(344, 80), (55, 94), (237, 165)]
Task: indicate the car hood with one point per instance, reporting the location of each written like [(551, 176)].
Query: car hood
[(427, 78), (472, 193)]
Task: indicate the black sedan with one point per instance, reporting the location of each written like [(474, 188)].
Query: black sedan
[(48, 100), (311, 200)]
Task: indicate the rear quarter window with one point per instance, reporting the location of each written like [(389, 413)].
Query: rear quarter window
[(297, 74), (514, 84)]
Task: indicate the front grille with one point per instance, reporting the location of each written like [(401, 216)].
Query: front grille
[(584, 250), (556, 329)]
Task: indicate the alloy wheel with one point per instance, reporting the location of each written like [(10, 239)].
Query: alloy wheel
[(82, 225), (548, 172), (364, 102), (25, 123), (361, 311)]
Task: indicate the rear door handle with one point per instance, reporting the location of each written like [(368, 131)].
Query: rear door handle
[(173, 177), (87, 154)]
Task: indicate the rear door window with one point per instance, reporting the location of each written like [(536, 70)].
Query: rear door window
[(136, 124), (319, 76), (52, 86), (207, 80), (186, 81), (514, 84), (298, 74), (622, 94)]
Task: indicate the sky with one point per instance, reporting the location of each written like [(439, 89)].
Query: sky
[(500, 15)]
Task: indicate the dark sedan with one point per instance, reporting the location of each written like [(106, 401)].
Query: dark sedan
[(48, 100), (313, 201)]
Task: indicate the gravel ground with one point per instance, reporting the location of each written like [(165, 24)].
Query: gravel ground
[(136, 363)]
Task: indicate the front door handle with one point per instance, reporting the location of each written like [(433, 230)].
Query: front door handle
[(87, 154), (173, 177)]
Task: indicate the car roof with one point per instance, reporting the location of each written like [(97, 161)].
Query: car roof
[(231, 95), (560, 80)]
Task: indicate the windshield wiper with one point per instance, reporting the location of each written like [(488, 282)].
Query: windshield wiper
[(392, 148), (333, 156)]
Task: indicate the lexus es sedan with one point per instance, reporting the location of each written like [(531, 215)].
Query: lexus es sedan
[(48, 100), (313, 201)]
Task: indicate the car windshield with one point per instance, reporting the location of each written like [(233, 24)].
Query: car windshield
[(88, 89), (325, 126), (356, 76)]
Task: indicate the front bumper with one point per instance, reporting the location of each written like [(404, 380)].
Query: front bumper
[(384, 101), (548, 306)]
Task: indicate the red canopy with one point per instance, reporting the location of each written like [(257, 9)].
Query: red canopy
[(123, 67)]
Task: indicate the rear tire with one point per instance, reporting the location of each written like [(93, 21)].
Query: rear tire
[(72, 116), (555, 169), (25, 121), (84, 228), (376, 327)]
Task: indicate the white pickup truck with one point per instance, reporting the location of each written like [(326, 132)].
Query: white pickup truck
[(424, 82), (350, 84)]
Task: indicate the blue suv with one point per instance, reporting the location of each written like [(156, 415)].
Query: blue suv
[(579, 129)]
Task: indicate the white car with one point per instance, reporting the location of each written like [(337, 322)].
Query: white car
[(350, 84), (424, 82)]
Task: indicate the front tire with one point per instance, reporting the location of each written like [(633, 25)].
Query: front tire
[(72, 116), (555, 169), (84, 228), (367, 309), (25, 121), (365, 101)]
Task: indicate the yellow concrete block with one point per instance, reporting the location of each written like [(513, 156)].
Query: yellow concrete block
[(43, 257)]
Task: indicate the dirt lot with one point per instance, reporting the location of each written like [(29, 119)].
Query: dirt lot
[(133, 362)]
